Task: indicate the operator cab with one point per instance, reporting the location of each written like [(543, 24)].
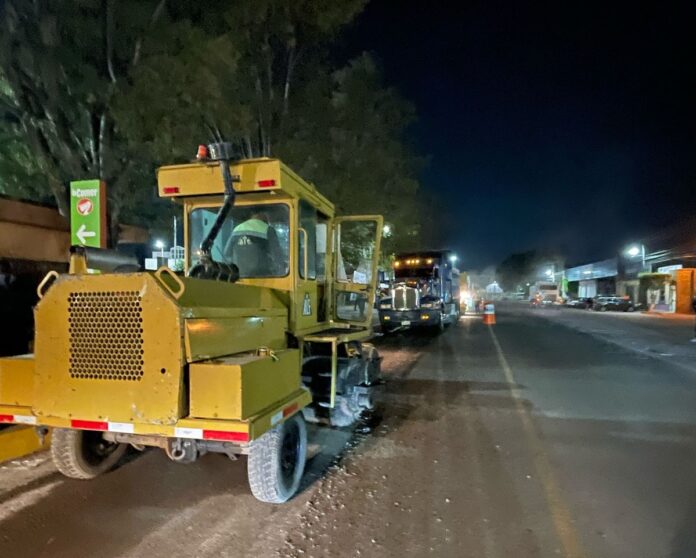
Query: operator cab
[(424, 292), (258, 223), (433, 274), (255, 238)]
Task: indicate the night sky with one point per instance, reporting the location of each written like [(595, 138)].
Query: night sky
[(549, 126)]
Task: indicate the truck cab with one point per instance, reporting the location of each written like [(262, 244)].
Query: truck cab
[(423, 293)]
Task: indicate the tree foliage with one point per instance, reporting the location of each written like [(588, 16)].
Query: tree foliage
[(348, 138), (63, 64), (517, 269), (111, 89)]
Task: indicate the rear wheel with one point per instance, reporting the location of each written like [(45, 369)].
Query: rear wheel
[(346, 411), (277, 460), (84, 454)]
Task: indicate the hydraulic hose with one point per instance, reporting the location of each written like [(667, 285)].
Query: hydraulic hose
[(207, 267)]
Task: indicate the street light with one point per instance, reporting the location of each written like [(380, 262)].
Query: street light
[(549, 272), (387, 231), (635, 250), (159, 244), (453, 258)]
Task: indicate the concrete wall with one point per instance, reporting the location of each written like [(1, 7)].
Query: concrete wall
[(34, 239), (32, 232), (35, 232), (686, 288)]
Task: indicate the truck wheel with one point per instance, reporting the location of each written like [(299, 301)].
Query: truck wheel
[(83, 454), (277, 460), (346, 411)]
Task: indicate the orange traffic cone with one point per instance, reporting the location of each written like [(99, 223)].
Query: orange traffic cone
[(489, 314)]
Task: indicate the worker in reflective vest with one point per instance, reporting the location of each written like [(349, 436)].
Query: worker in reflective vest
[(255, 248)]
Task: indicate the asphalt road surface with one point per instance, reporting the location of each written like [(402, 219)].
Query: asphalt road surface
[(539, 436)]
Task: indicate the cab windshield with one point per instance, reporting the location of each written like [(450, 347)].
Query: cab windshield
[(424, 279), (414, 273), (256, 238)]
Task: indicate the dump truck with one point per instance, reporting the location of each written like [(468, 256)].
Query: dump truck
[(261, 334), (424, 292)]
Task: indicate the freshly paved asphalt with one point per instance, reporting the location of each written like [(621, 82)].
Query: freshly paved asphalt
[(528, 438)]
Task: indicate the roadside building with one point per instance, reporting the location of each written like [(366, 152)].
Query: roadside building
[(592, 279), (660, 269), (34, 239)]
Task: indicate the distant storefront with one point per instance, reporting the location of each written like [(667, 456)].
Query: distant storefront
[(593, 279), (671, 289)]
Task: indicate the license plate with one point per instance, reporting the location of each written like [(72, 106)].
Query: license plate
[(405, 322)]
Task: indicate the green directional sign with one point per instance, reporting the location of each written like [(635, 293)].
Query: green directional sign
[(88, 213)]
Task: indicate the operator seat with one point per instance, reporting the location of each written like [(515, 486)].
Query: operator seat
[(251, 255)]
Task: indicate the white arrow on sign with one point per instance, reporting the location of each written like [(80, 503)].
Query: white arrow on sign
[(83, 234)]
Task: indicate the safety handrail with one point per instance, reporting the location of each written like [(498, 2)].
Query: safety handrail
[(305, 262), (40, 291)]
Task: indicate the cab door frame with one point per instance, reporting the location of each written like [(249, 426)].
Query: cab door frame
[(347, 286)]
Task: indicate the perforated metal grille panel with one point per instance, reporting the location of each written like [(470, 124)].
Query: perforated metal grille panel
[(106, 335), (405, 298)]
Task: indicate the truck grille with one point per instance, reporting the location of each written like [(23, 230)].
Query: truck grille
[(106, 335), (405, 298)]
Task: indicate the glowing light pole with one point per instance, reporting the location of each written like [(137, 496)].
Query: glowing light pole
[(635, 250), (159, 244)]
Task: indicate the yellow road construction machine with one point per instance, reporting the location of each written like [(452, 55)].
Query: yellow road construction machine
[(265, 330)]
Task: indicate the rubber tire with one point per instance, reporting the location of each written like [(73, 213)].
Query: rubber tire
[(264, 463), (344, 413), (67, 452)]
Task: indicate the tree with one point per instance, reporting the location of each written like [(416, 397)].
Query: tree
[(108, 89), (62, 64), (348, 136), (516, 269), (281, 43)]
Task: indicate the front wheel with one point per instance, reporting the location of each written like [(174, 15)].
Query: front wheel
[(277, 460), (441, 323), (84, 454)]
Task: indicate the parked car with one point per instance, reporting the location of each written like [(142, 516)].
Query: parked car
[(616, 303), (580, 303), (548, 301)]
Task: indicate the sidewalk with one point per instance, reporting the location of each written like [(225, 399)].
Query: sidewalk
[(669, 316), (667, 337)]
